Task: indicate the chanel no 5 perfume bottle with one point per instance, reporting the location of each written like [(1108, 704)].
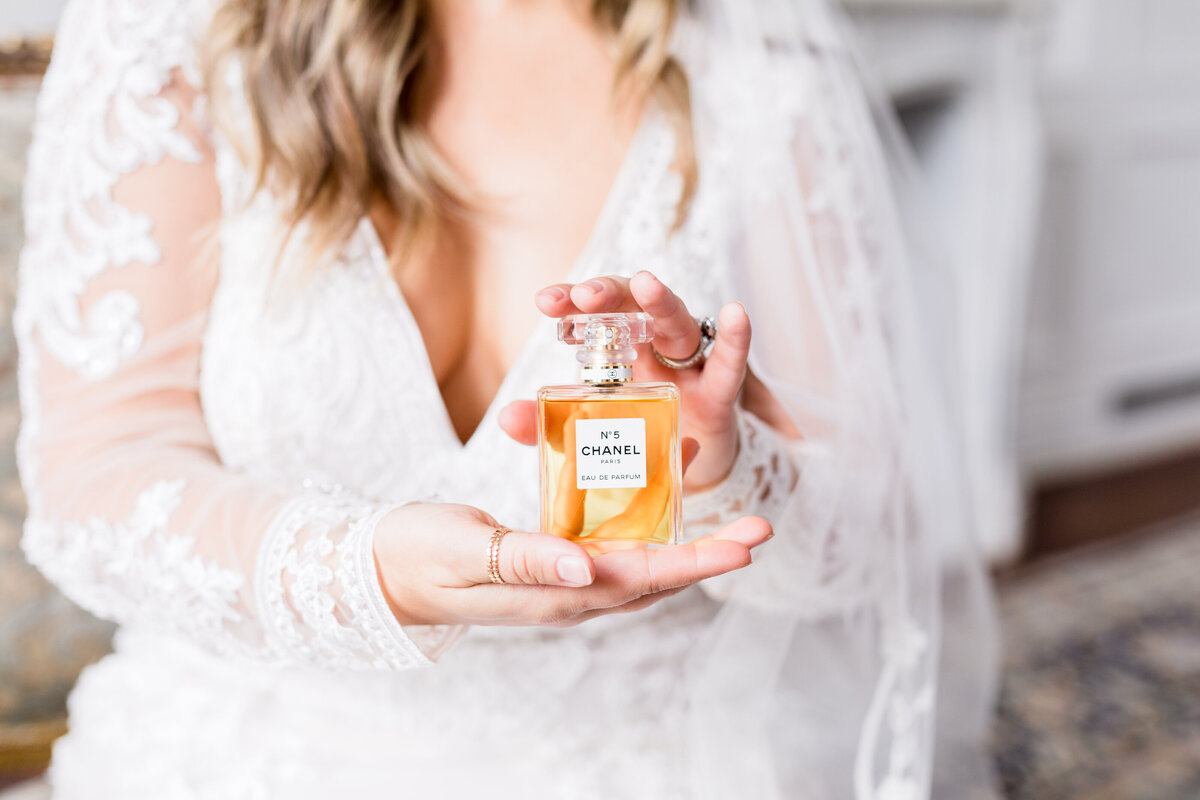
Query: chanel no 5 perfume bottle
[(610, 468)]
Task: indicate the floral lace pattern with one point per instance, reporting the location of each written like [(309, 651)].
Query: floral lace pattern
[(761, 481), (303, 568), (182, 561), (136, 570), (124, 56)]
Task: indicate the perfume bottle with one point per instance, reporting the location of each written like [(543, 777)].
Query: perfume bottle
[(610, 464)]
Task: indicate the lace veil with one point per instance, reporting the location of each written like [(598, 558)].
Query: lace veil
[(856, 658)]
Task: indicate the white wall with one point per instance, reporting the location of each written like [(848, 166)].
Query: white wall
[(1113, 366), (29, 17)]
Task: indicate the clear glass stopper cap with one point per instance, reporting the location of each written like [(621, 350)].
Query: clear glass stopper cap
[(606, 331), (605, 340)]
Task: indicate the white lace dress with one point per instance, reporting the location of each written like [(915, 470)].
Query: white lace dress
[(206, 462)]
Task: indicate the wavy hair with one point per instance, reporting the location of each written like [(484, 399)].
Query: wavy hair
[(333, 89)]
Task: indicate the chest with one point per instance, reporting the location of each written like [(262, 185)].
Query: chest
[(535, 195), (329, 378), (535, 178)]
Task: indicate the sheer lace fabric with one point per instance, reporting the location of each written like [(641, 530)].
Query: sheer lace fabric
[(132, 512), (207, 455), (879, 559)]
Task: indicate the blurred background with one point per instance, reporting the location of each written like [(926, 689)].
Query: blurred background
[(1060, 141)]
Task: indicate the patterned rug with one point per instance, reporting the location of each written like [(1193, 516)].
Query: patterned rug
[(1101, 693)]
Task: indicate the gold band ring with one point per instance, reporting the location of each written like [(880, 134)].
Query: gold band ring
[(494, 554)]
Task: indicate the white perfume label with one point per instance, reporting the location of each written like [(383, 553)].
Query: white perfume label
[(610, 453)]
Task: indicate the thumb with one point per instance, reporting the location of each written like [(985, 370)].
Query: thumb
[(542, 559), (519, 420)]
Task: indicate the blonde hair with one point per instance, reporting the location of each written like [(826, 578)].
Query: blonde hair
[(334, 86)]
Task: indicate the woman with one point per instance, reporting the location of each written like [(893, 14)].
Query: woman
[(277, 348)]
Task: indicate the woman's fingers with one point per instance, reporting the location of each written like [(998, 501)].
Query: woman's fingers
[(544, 576), (747, 531), (433, 561), (649, 571), (555, 301), (676, 334), (620, 576), (519, 420), (642, 571), (456, 547), (725, 368), (609, 294), (532, 559), (630, 580), (614, 293)]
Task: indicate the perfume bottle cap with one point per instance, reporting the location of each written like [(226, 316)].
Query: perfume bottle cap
[(606, 343), (606, 330)]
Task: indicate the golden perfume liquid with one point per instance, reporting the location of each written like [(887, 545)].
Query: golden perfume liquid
[(610, 462)]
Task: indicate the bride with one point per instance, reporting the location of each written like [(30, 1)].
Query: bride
[(292, 276)]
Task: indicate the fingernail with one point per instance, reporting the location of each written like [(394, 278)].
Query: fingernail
[(573, 571), (593, 286), (553, 293), (746, 535)]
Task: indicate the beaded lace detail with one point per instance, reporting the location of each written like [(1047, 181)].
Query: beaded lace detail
[(123, 55), (761, 481), (140, 572)]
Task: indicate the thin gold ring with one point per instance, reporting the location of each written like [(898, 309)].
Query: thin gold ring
[(494, 554)]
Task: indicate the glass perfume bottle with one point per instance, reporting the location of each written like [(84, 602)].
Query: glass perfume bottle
[(610, 464)]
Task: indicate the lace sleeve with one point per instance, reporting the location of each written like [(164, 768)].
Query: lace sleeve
[(763, 476), (131, 512), (762, 481)]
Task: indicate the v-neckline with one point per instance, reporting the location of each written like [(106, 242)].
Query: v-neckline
[(545, 326)]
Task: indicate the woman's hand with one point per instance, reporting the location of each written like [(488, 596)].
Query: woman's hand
[(432, 562), (710, 392)]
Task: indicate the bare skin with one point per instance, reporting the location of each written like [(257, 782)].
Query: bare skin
[(522, 108)]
